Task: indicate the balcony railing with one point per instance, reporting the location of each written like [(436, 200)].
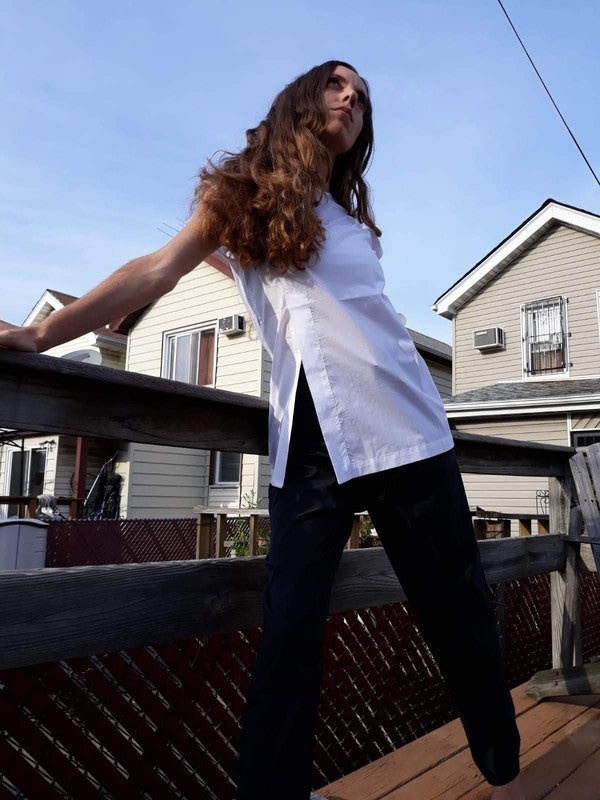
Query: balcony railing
[(132, 676)]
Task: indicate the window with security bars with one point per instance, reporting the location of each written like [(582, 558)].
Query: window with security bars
[(585, 438), (545, 336)]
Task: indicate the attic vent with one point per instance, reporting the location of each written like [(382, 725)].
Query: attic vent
[(488, 339), (231, 326)]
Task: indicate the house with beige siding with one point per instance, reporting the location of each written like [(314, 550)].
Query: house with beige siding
[(33, 463), (199, 332), (526, 345)]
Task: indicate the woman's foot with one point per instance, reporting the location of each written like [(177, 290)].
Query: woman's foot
[(509, 791)]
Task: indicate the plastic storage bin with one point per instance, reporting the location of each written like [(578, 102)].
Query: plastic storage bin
[(23, 544)]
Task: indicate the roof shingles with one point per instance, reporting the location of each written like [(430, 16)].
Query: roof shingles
[(527, 390)]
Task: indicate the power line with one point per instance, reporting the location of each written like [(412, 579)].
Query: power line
[(571, 134)]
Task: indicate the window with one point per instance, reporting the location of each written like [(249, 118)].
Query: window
[(25, 475), (226, 468), (545, 336), (585, 438), (190, 356)]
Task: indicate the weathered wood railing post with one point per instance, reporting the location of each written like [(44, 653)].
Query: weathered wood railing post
[(564, 584), (220, 535), (252, 535), (354, 540), (203, 532)]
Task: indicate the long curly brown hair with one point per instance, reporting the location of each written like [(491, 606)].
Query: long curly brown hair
[(260, 203)]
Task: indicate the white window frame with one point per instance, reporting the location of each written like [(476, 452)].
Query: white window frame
[(184, 331), (217, 467), (546, 376)]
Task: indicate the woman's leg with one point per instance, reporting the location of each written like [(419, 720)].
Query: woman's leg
[(422, 516), (307, 542)]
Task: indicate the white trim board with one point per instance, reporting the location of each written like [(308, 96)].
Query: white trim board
[(517, 411)]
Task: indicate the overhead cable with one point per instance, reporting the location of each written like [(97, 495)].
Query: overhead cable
[(571, 134)]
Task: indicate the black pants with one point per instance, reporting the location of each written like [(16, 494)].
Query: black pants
[(422, 516)]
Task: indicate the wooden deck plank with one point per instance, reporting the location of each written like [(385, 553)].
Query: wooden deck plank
[(584, 782), (547, 766), (459, 779), (372, 781), (439, 766)]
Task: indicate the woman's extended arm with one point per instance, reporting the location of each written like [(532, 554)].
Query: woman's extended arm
[(133, 286)]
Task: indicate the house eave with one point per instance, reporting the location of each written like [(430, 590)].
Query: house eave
[(434, 355), (111, 342), (523, 408)]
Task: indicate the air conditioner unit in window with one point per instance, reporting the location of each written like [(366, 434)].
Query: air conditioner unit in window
[(231, 326), (488, 339)]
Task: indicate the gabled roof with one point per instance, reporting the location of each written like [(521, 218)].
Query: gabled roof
[(65, 299), (429, 346), (57, 300), (547, 216)]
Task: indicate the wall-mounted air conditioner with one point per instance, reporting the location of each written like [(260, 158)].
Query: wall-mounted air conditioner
[(232, 325), (488, 339)]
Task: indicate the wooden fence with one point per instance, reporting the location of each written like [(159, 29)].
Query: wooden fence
[(134, 675)]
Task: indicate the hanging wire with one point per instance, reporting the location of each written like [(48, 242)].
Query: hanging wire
[(571, 134)]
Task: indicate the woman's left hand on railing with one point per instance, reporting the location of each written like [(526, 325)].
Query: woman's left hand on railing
[(15, 337)]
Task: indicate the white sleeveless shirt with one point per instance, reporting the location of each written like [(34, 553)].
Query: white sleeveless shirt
[(376, 401)]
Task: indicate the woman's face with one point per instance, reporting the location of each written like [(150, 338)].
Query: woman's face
[(345, 98)]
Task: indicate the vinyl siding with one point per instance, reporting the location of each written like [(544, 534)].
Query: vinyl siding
[(512, 494), (168, 481), (442, 377), (563, 262)]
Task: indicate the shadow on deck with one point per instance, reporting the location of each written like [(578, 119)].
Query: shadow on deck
[(560, 759)]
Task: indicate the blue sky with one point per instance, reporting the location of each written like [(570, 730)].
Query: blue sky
[(111, 108)]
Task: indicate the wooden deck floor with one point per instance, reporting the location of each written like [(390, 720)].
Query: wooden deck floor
[(560, 759)]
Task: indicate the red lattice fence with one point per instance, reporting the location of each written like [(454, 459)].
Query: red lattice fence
[(85, 542), (590, 615), (163, 722)]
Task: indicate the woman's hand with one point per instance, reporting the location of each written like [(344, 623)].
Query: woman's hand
[(15, 337)]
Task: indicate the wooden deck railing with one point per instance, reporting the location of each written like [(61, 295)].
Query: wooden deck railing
[(52, 395), (56, 614)]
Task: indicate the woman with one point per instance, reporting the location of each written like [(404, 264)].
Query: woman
[(355, 422)]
